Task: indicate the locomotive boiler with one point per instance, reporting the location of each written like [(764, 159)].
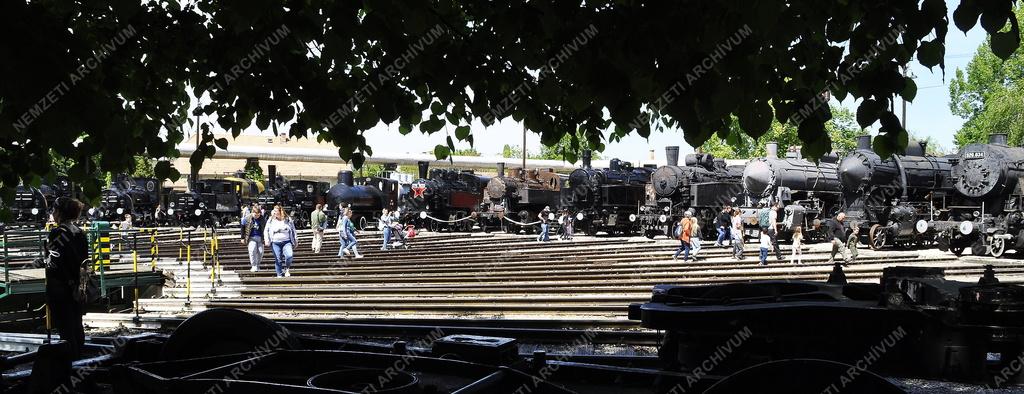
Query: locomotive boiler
[(607, 199), (809, 192), (365, 201), (519, 195), (137, 196), (987, 215), (895, 199), (705, 184), (444, 198)]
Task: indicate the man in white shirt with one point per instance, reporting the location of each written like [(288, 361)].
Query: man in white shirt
[(773, 229)]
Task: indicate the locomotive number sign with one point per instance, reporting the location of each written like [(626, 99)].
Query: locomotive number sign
[(974, 155)]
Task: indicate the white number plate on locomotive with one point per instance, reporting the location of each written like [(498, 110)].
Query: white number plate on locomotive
[(974, 155)]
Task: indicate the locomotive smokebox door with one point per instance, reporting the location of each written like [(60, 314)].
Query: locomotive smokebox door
[(794, 216)]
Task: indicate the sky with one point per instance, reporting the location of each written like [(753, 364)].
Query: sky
[(927, 116)]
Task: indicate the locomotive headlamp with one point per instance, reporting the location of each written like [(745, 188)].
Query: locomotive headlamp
[(551, 216), (977, 214), (199, 212), (202, 205), (423, 214), (170, 211), (579, 216), (966, 227), (120, 211), (921, 226), (92, 211), (632, 217), (35, 211), (171, 204), (666, 209), (663, 218)]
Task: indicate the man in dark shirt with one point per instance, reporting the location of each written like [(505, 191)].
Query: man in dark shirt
[(837, 231), (67, 247), (252, 236), (724, 223)]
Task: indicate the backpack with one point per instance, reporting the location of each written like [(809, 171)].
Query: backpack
[(677, 231), (762, 217)]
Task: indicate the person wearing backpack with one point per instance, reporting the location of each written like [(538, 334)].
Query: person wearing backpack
[(695, 237), (684, 230), (66, 250), (318, 222)]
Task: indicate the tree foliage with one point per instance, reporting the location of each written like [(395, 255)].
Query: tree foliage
[(842, 130), (466, 152), (116, 77), (989, 94)]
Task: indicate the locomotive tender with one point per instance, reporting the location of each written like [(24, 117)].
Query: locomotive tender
[(705, 184), (987, 215), (897, 197), (607, 199), (809, 192)]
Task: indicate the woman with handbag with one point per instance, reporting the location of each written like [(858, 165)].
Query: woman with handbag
[(66, 250), (280, 235)]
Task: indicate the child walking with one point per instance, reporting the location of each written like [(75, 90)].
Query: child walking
[(798, 238), (766, 243)]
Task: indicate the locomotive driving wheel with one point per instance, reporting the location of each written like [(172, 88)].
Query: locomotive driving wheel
[(996, 245), (877, 237)]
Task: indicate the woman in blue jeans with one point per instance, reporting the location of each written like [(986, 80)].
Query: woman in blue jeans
[(279, 234)]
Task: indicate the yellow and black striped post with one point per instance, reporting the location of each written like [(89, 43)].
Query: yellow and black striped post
[(101, 251)]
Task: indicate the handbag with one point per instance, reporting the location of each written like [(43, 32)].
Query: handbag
[(88, 290)]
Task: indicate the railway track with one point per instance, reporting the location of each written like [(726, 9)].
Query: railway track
[(463, 279)]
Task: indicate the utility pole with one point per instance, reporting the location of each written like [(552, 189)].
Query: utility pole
[(905, 102), (524, 145)]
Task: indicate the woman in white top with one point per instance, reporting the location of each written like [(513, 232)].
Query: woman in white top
[(280, 234)]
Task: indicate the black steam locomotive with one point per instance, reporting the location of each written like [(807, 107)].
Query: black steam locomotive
[(447, 199), (515, 198), (212, 201), (810, 192), (31, 204), (136, 196), (607, 199), (896, 197), (987, 215), (298, 197), (704, 184), (366, 201)]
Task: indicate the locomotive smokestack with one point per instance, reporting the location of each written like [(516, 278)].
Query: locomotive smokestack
[(501, 168), (672, 155), (771, 149), (864, 142), (997, 138), (614, 165), (586, 158), (271, 176), (424, 167), (345, 177)]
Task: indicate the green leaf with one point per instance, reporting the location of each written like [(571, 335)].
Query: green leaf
[(462, 132), (867, 113), (966, 15), (909, 89), (441, 152), (404, 129), (930, 53), (222, 143), (1005, 43)]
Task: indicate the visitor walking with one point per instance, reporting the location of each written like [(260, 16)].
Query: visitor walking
[(385, 226), (318, 222), (544, 224), (773, 229), (280, 236), (798, 253), (694, 235), (253, 226), (724, 223), (852, 241), (737, 234), (765, 244), (684, 229), (347, 235), (837, 231)]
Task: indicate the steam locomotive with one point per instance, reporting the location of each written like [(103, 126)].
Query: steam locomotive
[(31, 204), (704, 184), (810, 192), (515, 198), (366, 201), (607, 199), (212, 201), (136, 196), (896, 197), (987, 213), (452, 197), (298, 197)]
